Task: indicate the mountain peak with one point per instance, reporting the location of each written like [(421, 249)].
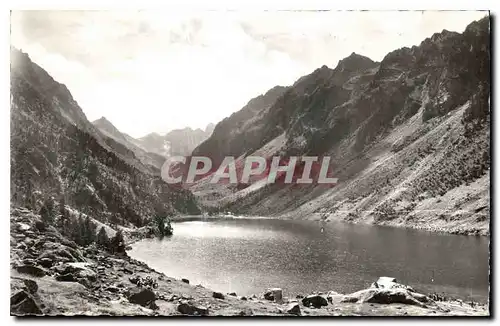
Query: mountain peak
[(356, 61)]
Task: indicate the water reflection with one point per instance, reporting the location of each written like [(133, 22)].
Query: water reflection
[(246, 256)]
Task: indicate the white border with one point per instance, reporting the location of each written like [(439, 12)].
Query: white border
[(190, 5)]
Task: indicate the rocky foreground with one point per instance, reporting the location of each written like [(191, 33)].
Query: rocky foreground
[(51, 275)]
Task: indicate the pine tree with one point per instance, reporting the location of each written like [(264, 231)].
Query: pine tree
[(118, 243), (88, 231), (102, 239), (47, 211)]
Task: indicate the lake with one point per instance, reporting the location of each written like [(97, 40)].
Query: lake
[(247, 256)]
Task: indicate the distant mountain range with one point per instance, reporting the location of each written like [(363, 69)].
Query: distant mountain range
[(176, 142)]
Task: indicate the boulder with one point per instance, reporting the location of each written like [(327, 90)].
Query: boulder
[(218, 295), (87, 274), (22, 227), (45, 262), (68, 277), (31, 270), (315, 300), (383, 296), (20, 283), (22, 303), (185, 280), (246, 312), (232, 294), (332, 296), (293, 309), (141, 296), (273, 294), (187, 308), (112, 289), (387, 283)]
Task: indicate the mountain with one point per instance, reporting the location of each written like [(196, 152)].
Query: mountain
[(408, 138), (56, 151), (109, 130), (183, 141), (176, 142)]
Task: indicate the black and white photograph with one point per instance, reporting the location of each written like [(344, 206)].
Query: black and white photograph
[(250, 163)]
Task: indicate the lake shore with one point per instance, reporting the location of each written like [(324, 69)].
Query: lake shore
[(430, 225), (51, 275)]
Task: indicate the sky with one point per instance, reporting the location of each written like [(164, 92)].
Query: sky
[(154, 71)]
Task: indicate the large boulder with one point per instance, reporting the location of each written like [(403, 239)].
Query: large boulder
[(20, 283), (141, 296), (387, 283), (68, 277), (187, 308), (22, 303), (274, 294), (315, 300), (293, 309), (383, 296), (218, 295), (31, 270)]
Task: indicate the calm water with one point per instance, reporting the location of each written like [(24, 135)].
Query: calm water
[(248, 255)]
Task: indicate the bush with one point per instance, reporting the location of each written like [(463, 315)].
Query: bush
[(103, 239), (118, 243), (162, 226)]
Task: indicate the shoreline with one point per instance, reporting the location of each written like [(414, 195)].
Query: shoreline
[(420, 227), (51, 275)]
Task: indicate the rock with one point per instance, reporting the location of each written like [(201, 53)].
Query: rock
[(31, 270), (244, 298), (22, 303), (232, 294), (87, 274), (388, 283), (246, 312), (332, 295), (127, 270), (19, 283), (22, 227), (218, 295), (68, 277), (383, 296), (28, 261), (315, 300), (293, 309), (112, 289), (185, 280), (273, 294), (187, 308), (46, 262), (141, 296), (134, 279)]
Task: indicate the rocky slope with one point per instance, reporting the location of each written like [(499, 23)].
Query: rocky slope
[(56, 152), (408, 139), (51, 275), (109, 130)]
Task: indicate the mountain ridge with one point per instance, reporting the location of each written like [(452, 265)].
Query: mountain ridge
[(362, 113)]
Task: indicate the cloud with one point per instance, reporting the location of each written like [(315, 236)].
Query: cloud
[(155, 71)]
